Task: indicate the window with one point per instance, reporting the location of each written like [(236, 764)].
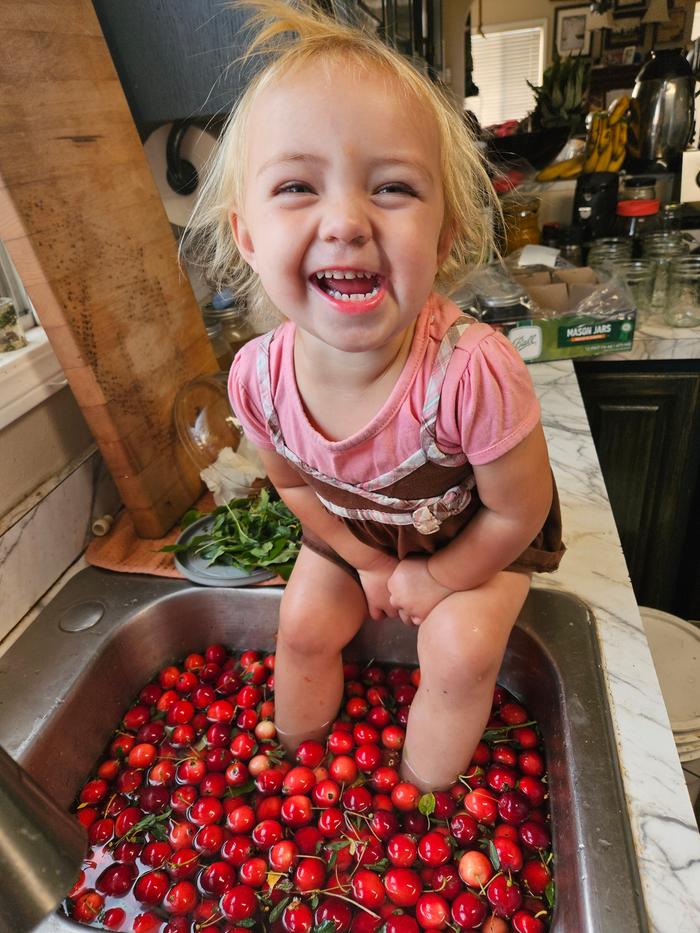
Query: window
[(505, 58), (695, 28), (31, 374)]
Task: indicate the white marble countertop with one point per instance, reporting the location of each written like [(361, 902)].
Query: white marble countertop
[(655, 340), (663, 825)]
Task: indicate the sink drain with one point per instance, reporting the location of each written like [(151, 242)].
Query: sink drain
[(81, 616)]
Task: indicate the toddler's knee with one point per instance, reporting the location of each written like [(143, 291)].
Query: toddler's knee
[(459, 656), (303, 636)]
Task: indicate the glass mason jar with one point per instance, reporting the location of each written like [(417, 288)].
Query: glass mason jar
[(661, 249), (671, 217), (220, 346), (635, 219), (609, 250), (638, 275), (520, 219), (234, 323), (683, 305)]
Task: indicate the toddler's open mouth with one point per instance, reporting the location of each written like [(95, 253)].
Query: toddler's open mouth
[(347, 285)]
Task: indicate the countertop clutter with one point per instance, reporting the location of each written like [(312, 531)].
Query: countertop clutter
[(664, 830)]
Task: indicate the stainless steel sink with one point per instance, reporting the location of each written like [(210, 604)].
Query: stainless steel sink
[(66, 681)]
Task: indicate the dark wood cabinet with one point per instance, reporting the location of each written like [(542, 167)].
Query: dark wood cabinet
[(645, 422), (175, 60), (180, 60)]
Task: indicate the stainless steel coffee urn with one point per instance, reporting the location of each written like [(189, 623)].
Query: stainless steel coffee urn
[(662, 113)]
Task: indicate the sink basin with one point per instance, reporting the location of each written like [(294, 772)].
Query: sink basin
[(66, 681)]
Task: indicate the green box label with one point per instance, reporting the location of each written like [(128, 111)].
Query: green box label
[(588, 332)]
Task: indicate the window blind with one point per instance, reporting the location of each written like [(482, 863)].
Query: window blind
[(504, 59)]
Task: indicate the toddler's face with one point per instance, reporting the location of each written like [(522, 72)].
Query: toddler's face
[(343, 177)]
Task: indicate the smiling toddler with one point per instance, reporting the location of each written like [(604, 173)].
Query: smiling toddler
[(405, 435)]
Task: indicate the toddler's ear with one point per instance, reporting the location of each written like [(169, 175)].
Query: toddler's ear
[(243, 239)]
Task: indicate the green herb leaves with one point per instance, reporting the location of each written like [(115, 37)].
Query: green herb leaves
[(247, 534)]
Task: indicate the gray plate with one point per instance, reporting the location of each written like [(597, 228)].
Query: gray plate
[(198, 571)]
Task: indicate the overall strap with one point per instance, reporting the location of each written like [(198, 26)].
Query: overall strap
[(425, 514), (434, 390)]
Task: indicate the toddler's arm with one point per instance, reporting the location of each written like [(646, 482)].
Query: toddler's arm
[(374, 567), (516, 494)]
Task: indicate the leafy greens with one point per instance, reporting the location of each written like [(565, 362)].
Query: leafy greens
[(247, 534)]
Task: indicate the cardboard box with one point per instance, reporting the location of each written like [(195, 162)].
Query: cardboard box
[(572, 335), (566, 334)]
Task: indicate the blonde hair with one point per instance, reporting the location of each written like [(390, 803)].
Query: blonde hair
[(289, 37)]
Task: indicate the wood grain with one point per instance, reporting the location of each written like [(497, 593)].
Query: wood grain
[(82, 219)]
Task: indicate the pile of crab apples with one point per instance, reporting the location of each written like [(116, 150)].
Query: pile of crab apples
[(198, 822)]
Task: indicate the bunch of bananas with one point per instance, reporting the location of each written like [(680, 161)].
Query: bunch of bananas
[(606, 144), (564, 168), (605, 149)]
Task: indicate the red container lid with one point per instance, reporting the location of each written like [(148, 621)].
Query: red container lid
[(641, 208)]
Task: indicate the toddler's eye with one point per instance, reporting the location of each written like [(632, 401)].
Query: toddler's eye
[(293, 187), (396, 187)]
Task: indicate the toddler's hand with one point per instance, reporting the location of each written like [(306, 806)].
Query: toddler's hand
[(414, 592), (374, 583)]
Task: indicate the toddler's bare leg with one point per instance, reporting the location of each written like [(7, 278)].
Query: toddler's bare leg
[(322, 609), (460, 648)]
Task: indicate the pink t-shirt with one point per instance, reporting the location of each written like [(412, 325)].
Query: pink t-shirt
[(487, 402)]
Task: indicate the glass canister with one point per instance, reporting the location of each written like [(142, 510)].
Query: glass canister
[(638, 275), (520, 218), (661, 249), (220, 346), (671, 217), (637, 218), (638, 188), (571, 245), (683, 304), (234, 322), (606, 251)]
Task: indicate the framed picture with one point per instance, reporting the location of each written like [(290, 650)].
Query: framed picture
[(570, 34)]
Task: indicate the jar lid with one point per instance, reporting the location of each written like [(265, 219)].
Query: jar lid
[(224, 315), (500, 301), (640, 208)]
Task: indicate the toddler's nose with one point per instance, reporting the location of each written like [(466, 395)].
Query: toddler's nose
[(345, 220)]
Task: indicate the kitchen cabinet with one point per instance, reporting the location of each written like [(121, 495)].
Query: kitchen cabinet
[(175, 60), (645, 422), (178, 60)]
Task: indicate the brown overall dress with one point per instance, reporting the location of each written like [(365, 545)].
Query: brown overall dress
[(420, 505)]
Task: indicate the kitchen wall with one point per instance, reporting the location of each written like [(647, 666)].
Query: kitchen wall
[(454, 14), (515, 11), (39, 445)]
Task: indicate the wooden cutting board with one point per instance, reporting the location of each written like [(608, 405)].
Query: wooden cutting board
[(82, 220)]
